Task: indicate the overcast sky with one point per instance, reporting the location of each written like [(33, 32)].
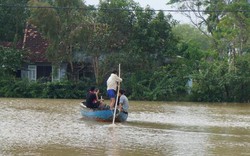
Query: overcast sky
[(155, 4)]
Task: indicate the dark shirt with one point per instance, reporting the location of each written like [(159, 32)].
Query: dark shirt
[(91, 100)]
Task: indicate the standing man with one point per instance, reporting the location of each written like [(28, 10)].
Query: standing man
[(112, 82)]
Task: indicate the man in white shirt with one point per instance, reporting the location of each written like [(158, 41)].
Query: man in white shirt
[(112, 87)]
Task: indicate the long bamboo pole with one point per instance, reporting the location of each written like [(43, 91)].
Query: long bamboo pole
[(116, 102)]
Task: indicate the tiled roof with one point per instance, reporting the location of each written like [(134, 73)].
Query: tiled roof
[(33, 43)]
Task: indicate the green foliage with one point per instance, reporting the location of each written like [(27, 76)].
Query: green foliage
[(158, 57), (12, 20), (59, 27), (10, 61), (63, 90), (242, 87), (28, 89), (227, 23), (119, 19), (136, 84), (216, 83), (13, 88), (191, 35), (166, 83), (152, 41), (209, 82)]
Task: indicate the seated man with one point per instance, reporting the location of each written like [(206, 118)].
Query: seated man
[(123, 102), (92, 100)]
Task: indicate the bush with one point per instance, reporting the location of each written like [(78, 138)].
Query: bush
[(216, 82), (27, 89)]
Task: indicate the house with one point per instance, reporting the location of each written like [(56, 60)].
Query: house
[(36, 66)]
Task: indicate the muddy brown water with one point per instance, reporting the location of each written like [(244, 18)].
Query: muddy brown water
[(55, 127)]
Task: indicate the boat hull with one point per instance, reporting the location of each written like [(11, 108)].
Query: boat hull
[(103, 115)]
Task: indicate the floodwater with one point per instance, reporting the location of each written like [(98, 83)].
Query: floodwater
[(38, 127)]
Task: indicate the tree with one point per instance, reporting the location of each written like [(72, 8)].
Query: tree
[(234, 31), (213, 82), (106, 33), (226, 21), (10, 61), (119, 15), (12, 19), (151, 41), (58, 21), (94, 38), (151, 45)]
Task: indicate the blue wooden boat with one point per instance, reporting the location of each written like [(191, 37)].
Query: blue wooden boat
[(102, 115)]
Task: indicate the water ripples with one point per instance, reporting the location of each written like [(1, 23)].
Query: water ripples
[(55, 127)]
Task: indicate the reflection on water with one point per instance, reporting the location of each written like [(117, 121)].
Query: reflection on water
[(55, 127)]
